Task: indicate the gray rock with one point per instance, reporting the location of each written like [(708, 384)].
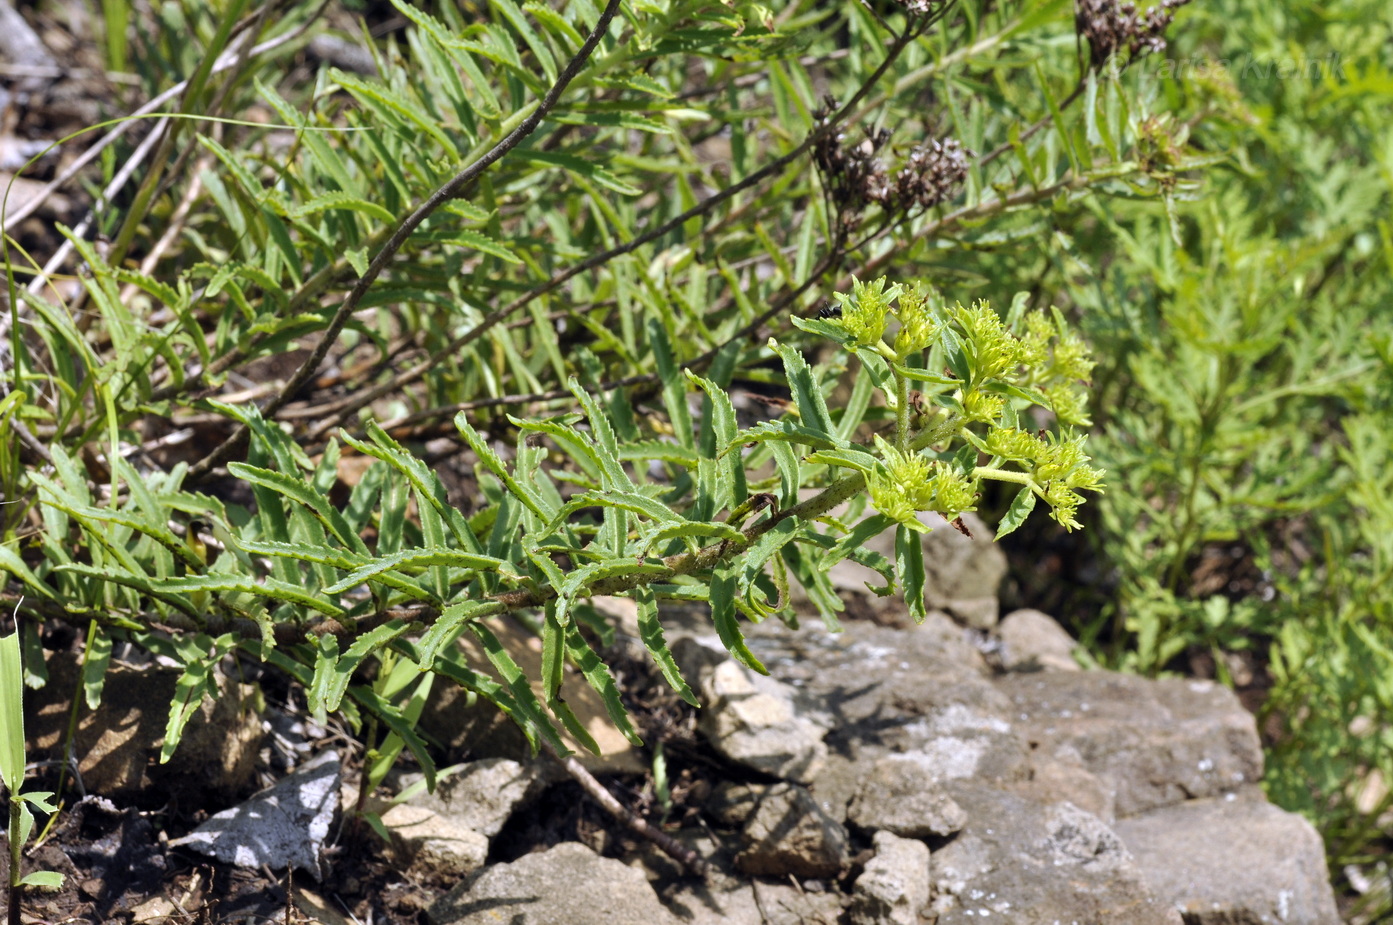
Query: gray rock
[(284, 825), (836, 784), (887, 690), (894, 885), (438, 846), (1233, 861), (1020, 862), (1153, 743), (565, 885), (116, 744), (1033, 641), (790, 835), (752, 720), (732, 804), (962, 740), (901, 796), (482, 794), (706, 904), (782, 904), (960, 570), (1062, 778)]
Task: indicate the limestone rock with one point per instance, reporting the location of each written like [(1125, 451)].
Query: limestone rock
[(783, 904), (284, 825), (1021, 862), (895, 884), (439, 846), (482, 794), (790, 835), (1233, 861), (1033, 641), (1153, 742), (900, 795), (752, 720), (1062, 778), (707, 904), (565, 885), (837, 784), (117, 744), (732, 804)]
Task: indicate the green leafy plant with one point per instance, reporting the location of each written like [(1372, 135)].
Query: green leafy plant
[(22, 804), (690, 519), (1241, 396)]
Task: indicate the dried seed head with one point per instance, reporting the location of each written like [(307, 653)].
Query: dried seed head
[(932, 173), (855, 175), (1110, 26), (920, 7)]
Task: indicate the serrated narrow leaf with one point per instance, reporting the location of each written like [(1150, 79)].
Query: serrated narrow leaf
[(693, 529), (674, 383), (597, 674), (447, 627), (1020, 509), (625, 120), (650, 628), (95, 659), (196, 681), (392, 718), (483, 244), (581, 167), (268, 587), (909, 565), (340, 200), (788, 432), (812, 407), (335, 682), (301, 491), (415, 558), (659, 450), (923, 375), (490, 461), (553, 654), (859, 460), (724, 615), (872, 526), (394, 107), (513, 679), (790, 472), (606, 443)]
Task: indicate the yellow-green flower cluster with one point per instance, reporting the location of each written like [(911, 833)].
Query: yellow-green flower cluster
[(919, 320), (1058, 468), (982, 406), (1069, 403), (864, 310), (907, 483), (995, 350), (1056, 361)]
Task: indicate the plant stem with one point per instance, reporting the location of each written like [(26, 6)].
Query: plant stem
[(404, 231), (16, 854)]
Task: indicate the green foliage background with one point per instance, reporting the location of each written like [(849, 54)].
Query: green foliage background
[(1211, 220)]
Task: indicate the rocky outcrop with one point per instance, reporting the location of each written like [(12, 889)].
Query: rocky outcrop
[(1234, 859), (790, 836), (894, 887), (889, 775), (565, 885)]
